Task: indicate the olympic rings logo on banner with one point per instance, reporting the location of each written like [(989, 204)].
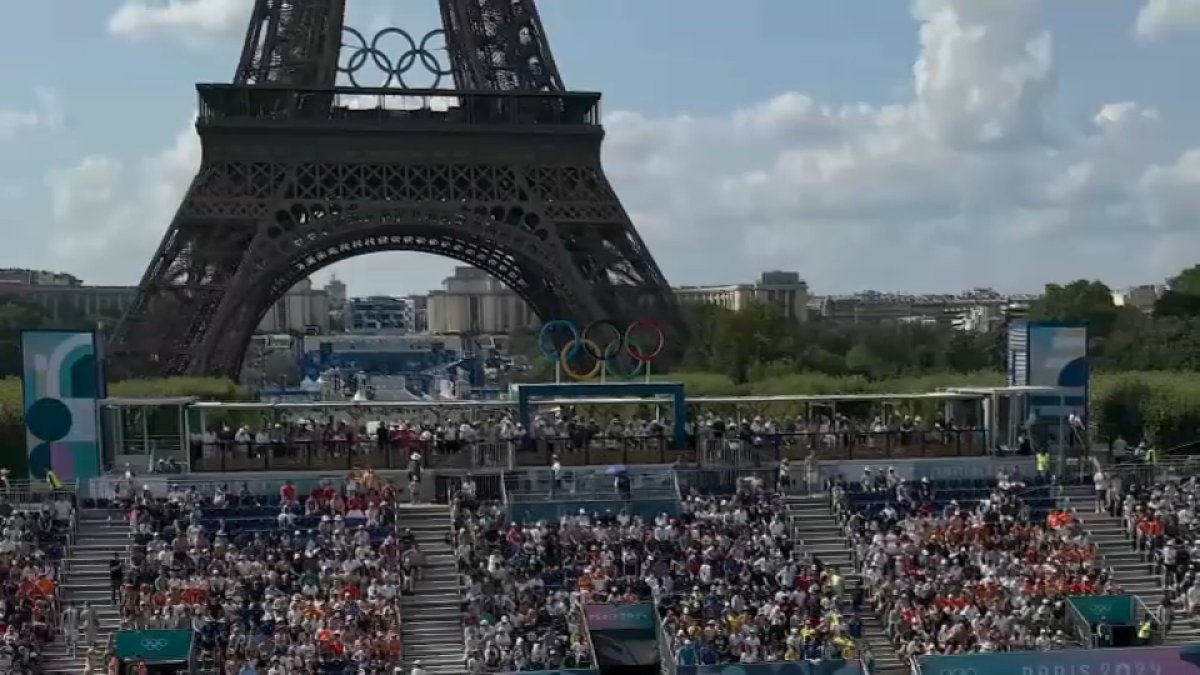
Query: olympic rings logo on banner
[(604, 342), (153, 644)]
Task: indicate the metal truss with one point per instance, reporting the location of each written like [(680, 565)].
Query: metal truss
[(507, 183)]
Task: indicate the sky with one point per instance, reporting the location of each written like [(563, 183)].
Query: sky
[(922, 146)]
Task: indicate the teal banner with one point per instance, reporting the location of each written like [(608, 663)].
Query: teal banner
[(1117, 609), (826, 667), (1136, 661), (637, 617), (154, 646)]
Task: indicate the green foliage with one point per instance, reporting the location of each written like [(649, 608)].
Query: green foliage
[(759, 343), (1082, 300), (1182, 300), (203, 388), (1163, 407)]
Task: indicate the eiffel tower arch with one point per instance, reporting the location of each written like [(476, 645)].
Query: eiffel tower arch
[(501, 170)]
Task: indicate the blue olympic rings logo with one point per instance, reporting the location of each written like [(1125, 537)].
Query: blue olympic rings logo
[(603, 341)]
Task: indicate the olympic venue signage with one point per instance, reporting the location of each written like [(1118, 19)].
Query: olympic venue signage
[(154, 646), (1183, 660)]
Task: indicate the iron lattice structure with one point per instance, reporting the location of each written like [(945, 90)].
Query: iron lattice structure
[(299, 171)]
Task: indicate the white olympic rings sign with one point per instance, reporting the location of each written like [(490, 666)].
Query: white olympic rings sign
[(154, 644)]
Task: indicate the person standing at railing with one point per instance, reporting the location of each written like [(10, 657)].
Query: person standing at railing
[(70, 628), (87, 618), (1104, 634), (783, 481), (116, 575)]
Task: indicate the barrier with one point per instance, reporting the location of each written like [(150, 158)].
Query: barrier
[(534, 494), (1117, 609), (826, 667), (639, 617), (154, 646), (623, 635), (1183, 660)]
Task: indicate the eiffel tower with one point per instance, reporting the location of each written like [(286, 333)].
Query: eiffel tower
[(305, 164)]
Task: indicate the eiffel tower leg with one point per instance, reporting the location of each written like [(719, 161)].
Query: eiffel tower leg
[(248, 231)]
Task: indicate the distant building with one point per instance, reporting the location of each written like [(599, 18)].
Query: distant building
[(24, 277), (420, 313), (1141, 298), (336, 290), (785, 290), (978, 309), (303, 309), (64, 297), (472, 301), (379, 313)]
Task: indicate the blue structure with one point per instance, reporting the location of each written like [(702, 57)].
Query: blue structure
[(1051, 354), (530, 392)]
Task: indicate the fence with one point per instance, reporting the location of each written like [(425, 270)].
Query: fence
[(767, 449), (1158, 660), (584, 449), (330, 455), (27, 492), (110, 488), (540, 494), (825, 667)]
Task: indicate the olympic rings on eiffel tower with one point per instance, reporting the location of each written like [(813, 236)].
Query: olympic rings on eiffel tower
[(604, 342), (409, 55)]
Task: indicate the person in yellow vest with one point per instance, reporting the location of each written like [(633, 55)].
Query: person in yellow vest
[(1042, 462), (1145, 628), (52, 479)]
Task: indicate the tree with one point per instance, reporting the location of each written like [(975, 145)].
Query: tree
[(16, 316), (1186, 282), (1085, 301), (1182, 298)]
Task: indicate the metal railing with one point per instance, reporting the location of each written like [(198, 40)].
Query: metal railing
[(326, 455), (367, 107), (767, 449), (26, 492)]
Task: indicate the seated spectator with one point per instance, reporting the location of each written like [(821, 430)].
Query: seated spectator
[(31, 546), (518, 609), (1161, 521), (739, 596), (980, 577), (271, 584), (721, 573)]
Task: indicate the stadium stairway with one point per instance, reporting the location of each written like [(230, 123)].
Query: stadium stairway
[(432, 617), (1134, 574), (1131, 572), (818, 534), (86, 580)]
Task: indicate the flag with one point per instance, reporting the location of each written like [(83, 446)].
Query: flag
[(53, 480)]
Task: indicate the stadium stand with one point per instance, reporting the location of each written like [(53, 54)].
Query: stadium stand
[(274, 582), (959, 566), (724, 573), (33, 540)]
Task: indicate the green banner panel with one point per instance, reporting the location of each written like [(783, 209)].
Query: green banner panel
[(154, 646), (1118, 609)]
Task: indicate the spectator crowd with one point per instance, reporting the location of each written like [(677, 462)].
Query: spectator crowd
[(294, 584), (986, 574), (32, 545), (724, 574), (1160, 518), (566, 433)]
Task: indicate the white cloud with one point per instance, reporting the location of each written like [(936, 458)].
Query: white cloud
[(47, 114), (1159, 18), (965, 182), (189, 20), (108, 219)]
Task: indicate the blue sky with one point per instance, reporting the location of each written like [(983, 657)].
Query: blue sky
[(912, 146)]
